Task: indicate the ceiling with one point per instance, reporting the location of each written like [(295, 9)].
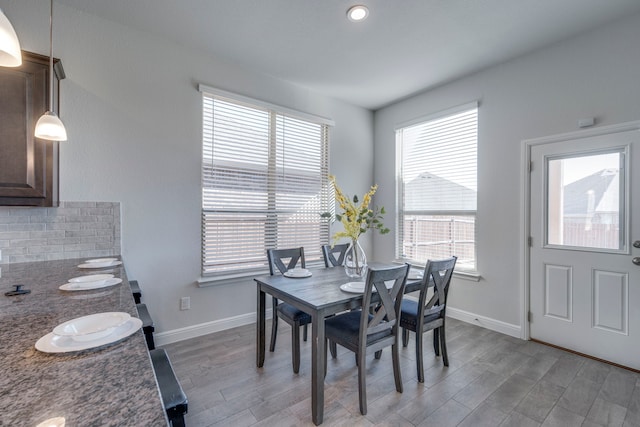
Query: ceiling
[(404, 47)]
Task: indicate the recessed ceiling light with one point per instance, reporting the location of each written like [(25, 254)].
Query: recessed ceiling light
[(357, 13)]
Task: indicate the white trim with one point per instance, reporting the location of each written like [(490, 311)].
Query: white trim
[(181, 334), (194, 331), (525, 203), (439, 114), (485, 322), (280, 109)]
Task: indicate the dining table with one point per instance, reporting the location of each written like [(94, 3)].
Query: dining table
[(319, 295)]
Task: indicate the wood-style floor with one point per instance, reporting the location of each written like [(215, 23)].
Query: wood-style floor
[(492, 380)]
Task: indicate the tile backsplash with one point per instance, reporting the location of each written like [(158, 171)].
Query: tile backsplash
[(73, 230)]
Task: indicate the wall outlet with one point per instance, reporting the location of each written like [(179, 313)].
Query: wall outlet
[(185, 303)]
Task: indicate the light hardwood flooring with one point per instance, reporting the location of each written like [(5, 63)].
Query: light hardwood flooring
[(492, 380)]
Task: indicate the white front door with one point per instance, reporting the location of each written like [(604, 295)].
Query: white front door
[(584, 220)]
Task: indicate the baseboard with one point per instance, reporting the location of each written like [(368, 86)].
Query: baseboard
[(175, 335), (485, 322)]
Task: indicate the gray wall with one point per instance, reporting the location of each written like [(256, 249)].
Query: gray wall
[(133, 114), (544, 93)]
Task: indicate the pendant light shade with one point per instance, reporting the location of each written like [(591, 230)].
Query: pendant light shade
[(49, 125), (10, 55)]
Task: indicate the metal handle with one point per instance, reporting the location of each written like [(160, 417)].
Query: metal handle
[(636, 260), (636, 244)]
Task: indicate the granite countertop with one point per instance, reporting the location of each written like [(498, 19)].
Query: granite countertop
[(112, 385)]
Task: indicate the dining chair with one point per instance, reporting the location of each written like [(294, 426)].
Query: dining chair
[(281, 260), (334, 255), (367, 331), (432, 312)]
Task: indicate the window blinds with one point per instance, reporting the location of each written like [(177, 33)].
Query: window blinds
[(264, 185), (438, 187)]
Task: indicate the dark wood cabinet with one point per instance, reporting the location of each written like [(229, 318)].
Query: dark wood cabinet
[(28, 165)]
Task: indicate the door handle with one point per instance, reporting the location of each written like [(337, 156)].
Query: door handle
[(636, 244), (636, 260)]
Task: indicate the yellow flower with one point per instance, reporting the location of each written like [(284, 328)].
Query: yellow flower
[(356, 218)]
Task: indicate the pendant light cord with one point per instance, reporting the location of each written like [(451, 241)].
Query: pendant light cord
[(51, 59)]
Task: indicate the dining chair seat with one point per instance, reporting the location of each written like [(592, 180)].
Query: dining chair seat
[(293, 314), (410, 314), (346, 329)]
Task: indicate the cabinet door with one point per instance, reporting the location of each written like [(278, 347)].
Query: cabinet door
[(28, 166)]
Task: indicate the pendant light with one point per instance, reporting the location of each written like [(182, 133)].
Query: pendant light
[(49, 126), (10, 55)]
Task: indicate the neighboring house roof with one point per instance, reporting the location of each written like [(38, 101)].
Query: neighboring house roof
[(432, 192), (596, 193)]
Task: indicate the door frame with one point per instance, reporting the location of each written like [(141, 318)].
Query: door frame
[(525, 205)]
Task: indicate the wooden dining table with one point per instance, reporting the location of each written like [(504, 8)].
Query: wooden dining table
[(320, 296)]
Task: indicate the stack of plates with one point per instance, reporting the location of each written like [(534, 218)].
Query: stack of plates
[(87, 332), (93, 281), (297, 273), (100, 263)]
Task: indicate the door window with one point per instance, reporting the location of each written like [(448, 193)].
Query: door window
[(585, 201)]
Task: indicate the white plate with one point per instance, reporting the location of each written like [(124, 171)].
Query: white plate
[(91, 278), (353, 287), (92, 327), (52, 343), (101, 260), (84, 286), (358, 287), (100, 264), (415, 274), (297, 273)]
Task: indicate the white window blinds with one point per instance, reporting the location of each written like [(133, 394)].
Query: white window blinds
[(438, 187), (264, 185)]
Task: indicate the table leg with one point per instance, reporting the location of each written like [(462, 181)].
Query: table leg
[(260, 328), (317, 368)]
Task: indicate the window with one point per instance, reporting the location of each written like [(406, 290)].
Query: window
[(264, 183), (584, 205), (437, 187)]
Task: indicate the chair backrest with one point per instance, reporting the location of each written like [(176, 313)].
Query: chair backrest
[(284, 259), (437, 273), (334, 255), (386, 313)]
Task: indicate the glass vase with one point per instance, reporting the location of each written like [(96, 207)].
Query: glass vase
[(355, 261)]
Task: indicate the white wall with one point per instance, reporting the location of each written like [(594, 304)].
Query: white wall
[(133, 114), (544, 93)]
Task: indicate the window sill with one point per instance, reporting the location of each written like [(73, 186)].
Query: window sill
[(472, 277), (208, 281)]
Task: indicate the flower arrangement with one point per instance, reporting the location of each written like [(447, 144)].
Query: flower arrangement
[(356, 218)]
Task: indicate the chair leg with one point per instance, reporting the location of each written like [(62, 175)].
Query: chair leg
[(333, 347), (304, 333), (274, 326), (378, 354), (177, 421), (443, 344), (419, 362), (436, 341), (396, 367), (362, 382), (405, 337), (295, 347)]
